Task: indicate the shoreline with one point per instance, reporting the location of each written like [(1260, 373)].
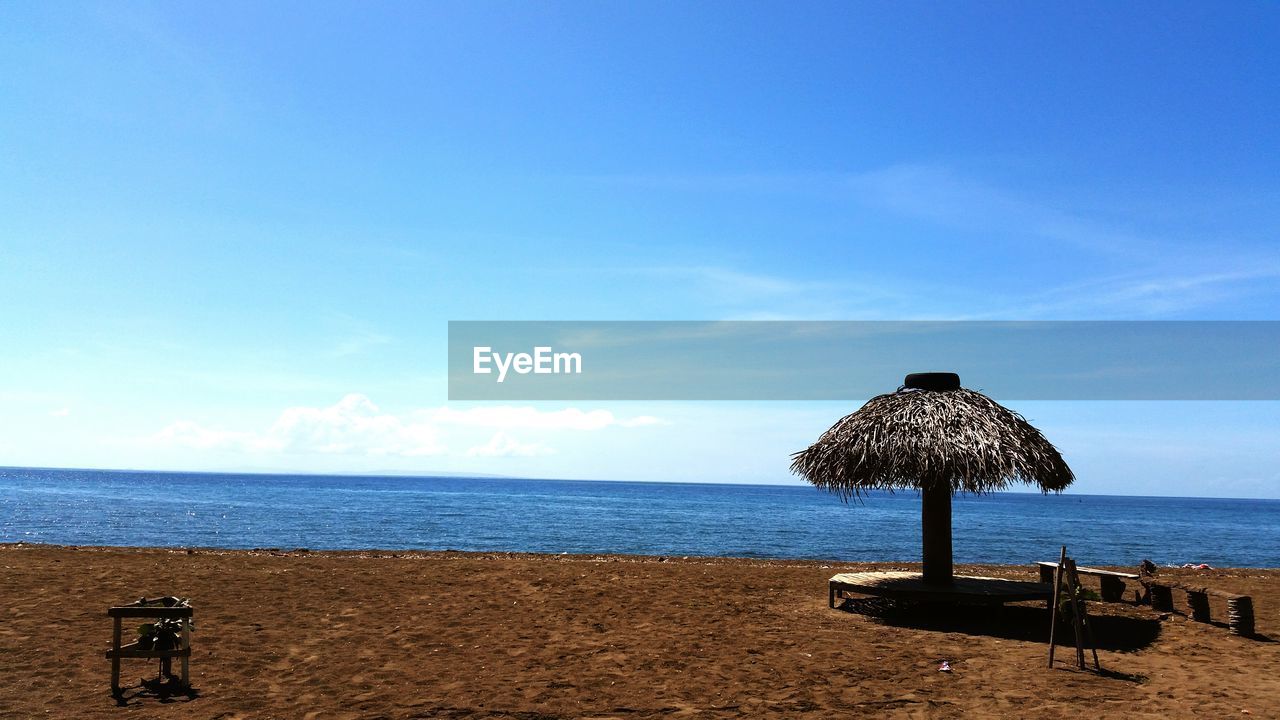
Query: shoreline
[(358, 634), (411, 553)]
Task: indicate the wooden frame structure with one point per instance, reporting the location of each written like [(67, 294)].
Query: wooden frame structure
[(1066, 577), (150, 609)]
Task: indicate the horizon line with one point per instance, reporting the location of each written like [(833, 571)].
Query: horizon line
[(427, 475)]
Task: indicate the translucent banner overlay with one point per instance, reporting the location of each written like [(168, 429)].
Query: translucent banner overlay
[(855, 360)]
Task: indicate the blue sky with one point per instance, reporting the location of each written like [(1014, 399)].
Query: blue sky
[(232, 234)]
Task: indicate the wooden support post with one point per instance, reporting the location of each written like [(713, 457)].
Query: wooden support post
[(1093, 642), (935, 526), (1046, 574), (115, 658), (831, 594), (1053, 608), (186, 658), (1073, 586), (1112, 588), (1161, 598), (1198, 603), (1240, 615)]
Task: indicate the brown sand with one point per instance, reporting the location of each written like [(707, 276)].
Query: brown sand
[(450, 635)]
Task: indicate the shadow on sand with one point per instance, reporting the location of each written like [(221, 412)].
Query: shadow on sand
[(163, 691), (1256, 637), (1011, 622)]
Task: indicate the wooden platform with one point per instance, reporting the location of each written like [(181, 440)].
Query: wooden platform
[(911, 586)]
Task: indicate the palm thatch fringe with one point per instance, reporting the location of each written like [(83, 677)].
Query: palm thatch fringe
[(922, 438)]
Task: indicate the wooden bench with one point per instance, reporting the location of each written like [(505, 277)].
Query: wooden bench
[(1239, 607), (1112, 582)]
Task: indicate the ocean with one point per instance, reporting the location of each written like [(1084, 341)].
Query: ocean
[(324, 512)]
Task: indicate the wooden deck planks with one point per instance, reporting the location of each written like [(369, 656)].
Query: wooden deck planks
[(909, 585)]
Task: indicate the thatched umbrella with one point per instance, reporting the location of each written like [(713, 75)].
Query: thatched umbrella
[(936, 437)]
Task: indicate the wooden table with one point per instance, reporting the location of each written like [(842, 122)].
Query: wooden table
[(132, 650)]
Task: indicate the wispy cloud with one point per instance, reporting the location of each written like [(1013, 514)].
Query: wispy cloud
[(936, 192), (195, 77), (192, 435), (1141, 267), (507, 417), (736, 286), (354, 335), (740, 183), (503, 445), (1164, 276), (947, 197), (743, 295), (359, 342), (1148, 295)]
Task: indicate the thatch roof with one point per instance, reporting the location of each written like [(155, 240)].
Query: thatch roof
[(916, 438)]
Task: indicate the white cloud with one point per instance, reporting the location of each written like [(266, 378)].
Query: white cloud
[(503, 445), (60, 412), (355, 425)]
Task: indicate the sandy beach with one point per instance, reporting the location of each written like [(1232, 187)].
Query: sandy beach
[(462, 635)]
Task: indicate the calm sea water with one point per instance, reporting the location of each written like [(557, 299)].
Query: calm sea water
[(91, 507)]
